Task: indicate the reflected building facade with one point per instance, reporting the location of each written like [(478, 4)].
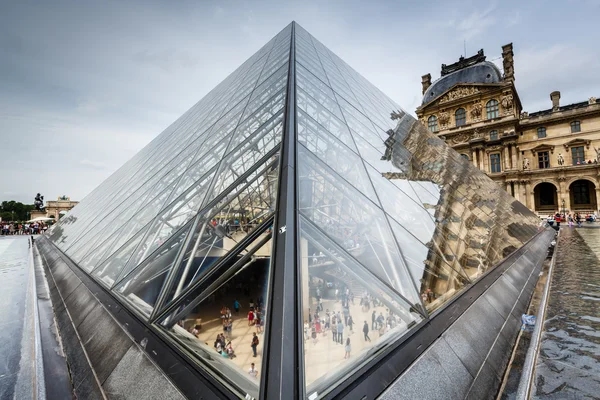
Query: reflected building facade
[(295, 219)]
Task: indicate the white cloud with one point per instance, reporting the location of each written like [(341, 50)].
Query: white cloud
[(92, 164), (475, 23)]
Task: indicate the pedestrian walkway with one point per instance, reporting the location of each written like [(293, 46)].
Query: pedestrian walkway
[(568, 365), (17, 368)]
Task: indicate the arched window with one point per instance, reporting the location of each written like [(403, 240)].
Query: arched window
[(494, 135), (461, 117), (575, 126), (466, 157), (491, 109), (541, 132), (432, 123)]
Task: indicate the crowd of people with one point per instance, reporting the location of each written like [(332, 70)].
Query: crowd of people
[(572, 219), (16, 228), (341, 324)]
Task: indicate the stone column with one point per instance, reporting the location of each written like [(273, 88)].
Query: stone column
[(506, 159), (597, 200), (519, 159), (563, 194), (474, 157), (517, 190), (530, 196), (485, 161), (508, 187), (523, 193)]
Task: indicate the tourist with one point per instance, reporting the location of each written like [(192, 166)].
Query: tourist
[(229, 351), (254, 344), (253, 372), (373, 320), (347, 348), (366, 331), (334, 330), (349, 322), (258, 323), (340, 329), (306, 328), (236, 306), (251, 317), (314, 334)]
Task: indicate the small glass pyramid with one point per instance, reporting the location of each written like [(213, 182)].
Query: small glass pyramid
[(389, 222)]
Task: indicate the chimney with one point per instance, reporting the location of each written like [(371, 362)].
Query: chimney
[(555, 97), (426, 82), (508, 62)]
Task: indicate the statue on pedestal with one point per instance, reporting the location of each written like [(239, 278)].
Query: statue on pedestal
[(561, 159), (39, 202), (526, 164)]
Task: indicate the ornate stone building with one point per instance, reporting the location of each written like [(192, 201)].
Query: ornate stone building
[(548, 159)]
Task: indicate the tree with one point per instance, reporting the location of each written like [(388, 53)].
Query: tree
[(15, 211)]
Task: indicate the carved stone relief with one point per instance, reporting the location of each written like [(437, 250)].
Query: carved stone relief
[(444, 118), (459, 93), (476, 109), (507, 103), (460, 138)]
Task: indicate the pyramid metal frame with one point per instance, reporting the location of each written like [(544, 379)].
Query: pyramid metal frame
[(202, 132)]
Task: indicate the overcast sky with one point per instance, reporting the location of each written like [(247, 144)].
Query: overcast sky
[(84, 85)]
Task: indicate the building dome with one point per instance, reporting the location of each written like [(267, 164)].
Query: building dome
[(482, 72)]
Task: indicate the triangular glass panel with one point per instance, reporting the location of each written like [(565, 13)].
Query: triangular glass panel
[(142, 286), (110, 270), (221, 228), (435, 279), (222, 319), (173, 216), (348, 314), (352, 221)]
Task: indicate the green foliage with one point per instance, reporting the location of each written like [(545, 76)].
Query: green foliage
[(15, 211)]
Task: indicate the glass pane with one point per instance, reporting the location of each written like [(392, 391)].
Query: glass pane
[(221, 323), (349, 315), (352, 221), (220, 229), (142, 287), (174, 216), (436, 281)]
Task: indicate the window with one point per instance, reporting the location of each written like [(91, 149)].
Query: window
[(492, 109), (578, 155), (541, 133), (494, 135), (466, 157), (460, 116), (575, 126), (543, 159), (495, 162), (581, 192), (432, 123)]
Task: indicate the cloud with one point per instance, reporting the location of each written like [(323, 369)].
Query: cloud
[(166, 59), (475, 23), (92, 164)]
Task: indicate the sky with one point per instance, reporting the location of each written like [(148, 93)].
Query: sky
[(84, 85)]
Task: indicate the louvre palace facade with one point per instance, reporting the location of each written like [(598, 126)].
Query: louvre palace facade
[(547, 159)]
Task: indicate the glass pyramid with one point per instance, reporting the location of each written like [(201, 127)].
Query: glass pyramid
[(297, 204)]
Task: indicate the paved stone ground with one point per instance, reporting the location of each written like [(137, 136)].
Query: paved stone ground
[(31, 362), (569, 361), (16, 330)]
